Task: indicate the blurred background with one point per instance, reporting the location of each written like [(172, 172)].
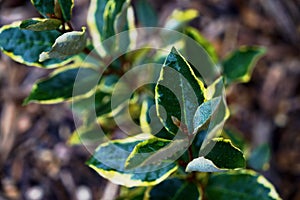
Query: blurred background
[(35, 161)]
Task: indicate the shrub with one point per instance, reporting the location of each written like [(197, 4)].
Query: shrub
[(157, 116)]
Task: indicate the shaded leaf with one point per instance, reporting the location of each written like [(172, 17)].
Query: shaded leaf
[(238, 66), (59, 86), (178, 92), (25, 46), (66, 7), (246, 185), (109, 161), (146, 14), (103, 20), (260, 157), (37, 24), (174, 189), (149, 121), (45, 7), (68, 44)]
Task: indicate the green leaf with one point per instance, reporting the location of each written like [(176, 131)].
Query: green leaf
[(156, 151), (179, 18), (109, 161), (146, 14), (68, 44), (45, 7), (218, 156), (174, 189), (149, 121), (106, 18), (59, 86), (238, 66), (37, 24), (235, 185), (25, 46), (260, 157), (66, 7), (178, 92), (202, 41), (204, 112)]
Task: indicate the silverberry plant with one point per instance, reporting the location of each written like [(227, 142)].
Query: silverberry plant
[(149, 100)]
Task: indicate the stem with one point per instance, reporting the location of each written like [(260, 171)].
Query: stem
[(190, 152)]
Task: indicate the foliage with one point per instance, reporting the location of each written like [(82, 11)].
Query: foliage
[(177, 144)]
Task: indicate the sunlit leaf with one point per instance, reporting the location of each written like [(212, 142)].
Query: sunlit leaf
[(178, 92), (25, 46), (220, 155), (68, 44), (204, 113)]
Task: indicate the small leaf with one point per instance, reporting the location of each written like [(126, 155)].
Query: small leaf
[(238, 66), (180, 18), (59, 86), (45, 7), (245, 184), (25, 46), (37, 24), (178, 92), (66, 7), (109, 161), (146, 14), (218, 156), (260, 157), (68, 44), (204, 113), (156, 151), (202, 41), (174, 189)]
